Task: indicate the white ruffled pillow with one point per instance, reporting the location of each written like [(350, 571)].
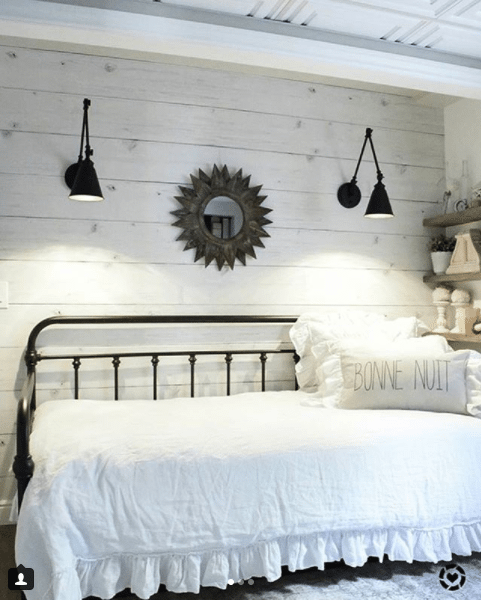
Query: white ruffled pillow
[(473, 384), (433, 382), (331, 358), (313, 328), (428, 375)]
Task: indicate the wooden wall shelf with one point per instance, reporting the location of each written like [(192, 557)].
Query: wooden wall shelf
[(470, 215), (459, 337), (443, 278)]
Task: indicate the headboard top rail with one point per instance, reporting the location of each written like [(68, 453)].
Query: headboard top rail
[(31, 351)]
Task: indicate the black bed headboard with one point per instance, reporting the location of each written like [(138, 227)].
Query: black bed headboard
[(33, 355)]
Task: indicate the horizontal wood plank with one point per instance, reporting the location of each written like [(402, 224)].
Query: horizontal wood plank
[(152, 202), (65, 73), (140, 121), (142, 161), (122, 242), (129, 284)]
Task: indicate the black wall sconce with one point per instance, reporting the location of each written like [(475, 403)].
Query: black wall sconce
[(349, 195), (81, 177)]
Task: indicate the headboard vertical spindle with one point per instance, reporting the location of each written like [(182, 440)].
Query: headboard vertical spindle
[(155, 363), (76, 365), (263, 359), (228, 362), (192, 360), (116, 364)]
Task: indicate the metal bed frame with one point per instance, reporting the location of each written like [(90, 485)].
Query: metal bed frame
[(23, 466)]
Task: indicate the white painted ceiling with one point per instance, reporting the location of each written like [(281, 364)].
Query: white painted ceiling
[(447, 26), (422, 46)]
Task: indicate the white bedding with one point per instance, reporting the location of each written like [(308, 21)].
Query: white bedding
[(191, 492)]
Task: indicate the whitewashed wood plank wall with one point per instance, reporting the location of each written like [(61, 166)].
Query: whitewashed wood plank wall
[(151, 126)]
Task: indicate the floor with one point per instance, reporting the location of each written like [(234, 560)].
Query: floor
[(7, 561)]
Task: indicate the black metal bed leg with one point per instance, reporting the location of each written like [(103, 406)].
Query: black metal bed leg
[(23, 465)]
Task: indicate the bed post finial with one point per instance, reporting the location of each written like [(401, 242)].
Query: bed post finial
[(31, 360)]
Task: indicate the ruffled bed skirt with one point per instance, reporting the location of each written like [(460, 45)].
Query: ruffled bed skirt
[(188, 572)]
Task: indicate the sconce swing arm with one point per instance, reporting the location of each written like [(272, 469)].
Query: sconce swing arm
[(349, 194), (81, 177)]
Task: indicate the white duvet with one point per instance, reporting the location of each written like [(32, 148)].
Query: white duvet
[(197, 492)]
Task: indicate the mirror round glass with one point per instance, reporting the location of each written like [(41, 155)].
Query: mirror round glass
[(223, 217)]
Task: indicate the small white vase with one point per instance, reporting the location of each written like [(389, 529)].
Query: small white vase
[(440, 261)]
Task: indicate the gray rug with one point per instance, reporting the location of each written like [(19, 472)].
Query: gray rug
[(373, 581)]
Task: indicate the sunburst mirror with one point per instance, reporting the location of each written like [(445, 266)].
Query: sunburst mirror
[(222, 217)]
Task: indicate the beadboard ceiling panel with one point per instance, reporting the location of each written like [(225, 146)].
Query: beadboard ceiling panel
[(447, 26), (429, 46), (451, 26)]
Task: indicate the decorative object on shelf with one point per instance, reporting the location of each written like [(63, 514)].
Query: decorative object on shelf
[(222, 217), (349, 195), (441, 300), (476, 329), (446, 199), (81, 177), (455, 219), (467, 253), (465, 315), (476, 196), (464, 187), (441, 249), (460, 205)]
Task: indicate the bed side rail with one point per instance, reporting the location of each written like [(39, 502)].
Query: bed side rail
[(23, 464)]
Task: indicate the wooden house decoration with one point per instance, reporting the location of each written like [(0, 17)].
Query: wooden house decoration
[(467, 253)]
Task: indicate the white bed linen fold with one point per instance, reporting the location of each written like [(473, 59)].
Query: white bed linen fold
[(191, 492)]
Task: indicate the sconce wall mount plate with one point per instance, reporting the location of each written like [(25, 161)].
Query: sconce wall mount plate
[(71, 174), (349, 195)]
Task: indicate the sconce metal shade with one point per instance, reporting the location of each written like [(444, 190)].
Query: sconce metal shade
[(349, 195), (86, 185), (379, 206), (81, 177)]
